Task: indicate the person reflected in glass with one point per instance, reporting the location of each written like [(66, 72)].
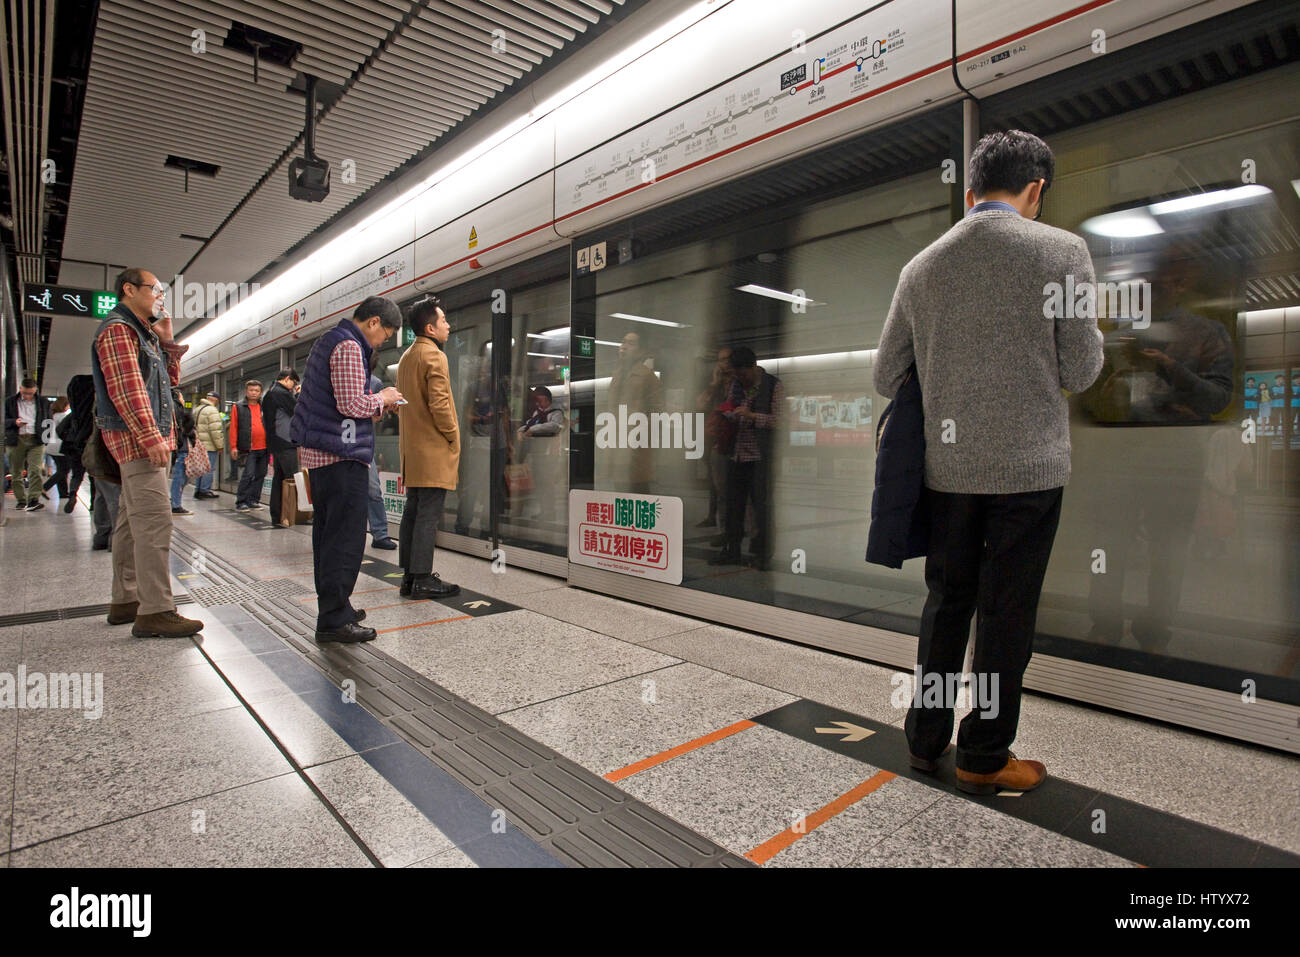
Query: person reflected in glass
[(1176, 372), (754, 404), (721, 434), (541, 447), (633, 388), (476, 449)]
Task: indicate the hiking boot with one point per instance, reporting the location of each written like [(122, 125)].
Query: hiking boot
[(1016, 775), (123, 613), (433, 587), (165, 624)]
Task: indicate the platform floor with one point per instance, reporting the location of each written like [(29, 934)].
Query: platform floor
[(527, 723)]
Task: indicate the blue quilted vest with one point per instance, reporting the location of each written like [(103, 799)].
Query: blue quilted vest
[(317, 422)]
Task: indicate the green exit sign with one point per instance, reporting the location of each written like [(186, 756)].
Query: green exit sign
[(102, 304), (586, 346)]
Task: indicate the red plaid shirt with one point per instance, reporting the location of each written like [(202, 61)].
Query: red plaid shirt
[(350, 378), (119, 357)]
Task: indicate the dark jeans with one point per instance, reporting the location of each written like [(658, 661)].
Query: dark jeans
[(105, 499), (747, 483), (286, 467), (62, 468), (250, 482), (988, 552), (419, 529), (338, 538)]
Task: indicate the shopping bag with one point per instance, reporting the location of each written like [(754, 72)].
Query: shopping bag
[(196, 461), (290, 513), (302, 490), (519, 478)]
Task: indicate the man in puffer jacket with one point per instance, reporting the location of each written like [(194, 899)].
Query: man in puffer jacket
[(212, 433)]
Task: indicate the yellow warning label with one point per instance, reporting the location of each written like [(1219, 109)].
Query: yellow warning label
[(473, 237)]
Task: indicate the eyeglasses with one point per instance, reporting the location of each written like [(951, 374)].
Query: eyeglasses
[(1042, 201), (157, 288)]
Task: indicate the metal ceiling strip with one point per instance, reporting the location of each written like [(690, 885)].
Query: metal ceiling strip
[(355, 41), (218, 61), (477, 30), (277, 110), (465, 78), (587, 12), (469, 93), (459, 55), (543, 16), (388, 105), (554, 35)]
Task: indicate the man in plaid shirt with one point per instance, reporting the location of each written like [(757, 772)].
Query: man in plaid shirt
[(333, 429), (136, 363)]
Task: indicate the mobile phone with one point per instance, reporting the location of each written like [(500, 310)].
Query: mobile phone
[(400, 402)]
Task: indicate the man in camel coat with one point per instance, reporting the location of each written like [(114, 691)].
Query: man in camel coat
[(430, 448)]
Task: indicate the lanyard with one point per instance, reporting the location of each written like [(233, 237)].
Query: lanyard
[(991, 205)]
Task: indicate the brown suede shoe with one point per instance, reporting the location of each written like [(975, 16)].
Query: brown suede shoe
[(165, 624), (122, 614), (1016, 775)]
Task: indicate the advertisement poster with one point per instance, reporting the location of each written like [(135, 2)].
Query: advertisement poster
[(624, 532), (831, 420), (1267, 401)]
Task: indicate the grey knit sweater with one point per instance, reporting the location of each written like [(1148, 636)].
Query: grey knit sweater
[(969, 310)]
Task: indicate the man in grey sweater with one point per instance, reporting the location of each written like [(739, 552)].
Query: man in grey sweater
[(980, 312)]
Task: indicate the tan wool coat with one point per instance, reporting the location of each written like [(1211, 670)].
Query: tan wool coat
[(429, 436)]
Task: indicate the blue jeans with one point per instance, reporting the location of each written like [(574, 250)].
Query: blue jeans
[(178, 479), (378, 517), (204, 483)]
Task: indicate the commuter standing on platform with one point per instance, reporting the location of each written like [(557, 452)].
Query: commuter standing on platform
[(212, 433), (136, 363), (25, 416), (277, 416), (185, 437), (969, 313), (335, 437), (430, 448), (248, 442)]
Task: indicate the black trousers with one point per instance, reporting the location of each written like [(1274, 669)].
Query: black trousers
[(339, 495), (250, 481), (747, 483), (286, 467), (419, 529), (987, 552), (62, 469)]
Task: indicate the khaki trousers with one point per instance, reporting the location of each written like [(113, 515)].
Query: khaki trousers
[(142, 539), (28, 454)]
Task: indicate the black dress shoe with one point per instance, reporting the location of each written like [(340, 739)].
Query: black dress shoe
[(361, 616), (407, 582), (349, 633), (385, 543), (728, 556), (432, 587), (928, 765)]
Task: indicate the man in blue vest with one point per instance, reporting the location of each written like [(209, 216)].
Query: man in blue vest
[(333, 429)]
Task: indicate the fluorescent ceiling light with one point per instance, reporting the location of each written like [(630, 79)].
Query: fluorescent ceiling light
[(1215, 197), (548, 355), (1125, 224), (777, 294), (606, 342), (657, 322), (1295, 185)]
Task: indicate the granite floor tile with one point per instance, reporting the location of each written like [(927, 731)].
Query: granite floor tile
[(954, 832), (613, 725), (454, 857), (1236, 787), (296, 721), (8, 749), (747, 788), (477, 575), (395, 831), (73, 773), (608, 616), (273, 823), (501, 662), (846, 683)]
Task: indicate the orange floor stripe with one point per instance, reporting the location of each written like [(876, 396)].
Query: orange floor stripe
[(399, 604), (662, 756), (418, 624), (774, 846)]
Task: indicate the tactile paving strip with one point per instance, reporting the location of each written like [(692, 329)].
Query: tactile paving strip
[(63, 614), (580, 817), (209, 595)]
